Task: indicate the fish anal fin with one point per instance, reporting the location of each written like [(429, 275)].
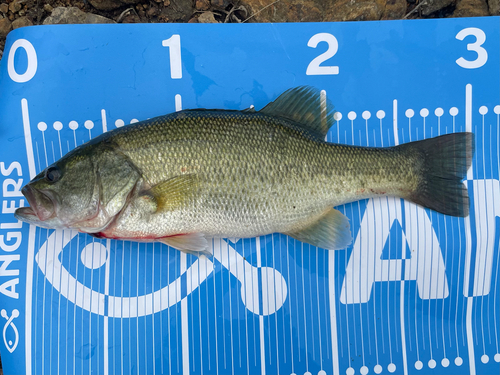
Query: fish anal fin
[(331, 231), (172, 193), (191, 243)]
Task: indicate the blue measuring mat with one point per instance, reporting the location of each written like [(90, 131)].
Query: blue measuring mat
[(417, 292)]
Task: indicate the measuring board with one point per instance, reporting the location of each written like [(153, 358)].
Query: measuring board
[(416, 292)]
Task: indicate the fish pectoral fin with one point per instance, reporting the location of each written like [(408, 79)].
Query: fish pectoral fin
[(331, 231), (172, 193), (192, 243)]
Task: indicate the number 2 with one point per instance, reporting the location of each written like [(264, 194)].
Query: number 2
[(482, 54), (314, 67)]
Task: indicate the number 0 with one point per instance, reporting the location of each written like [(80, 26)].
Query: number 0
[(482, 54), (174, 45), (314, 67), (32, 61)]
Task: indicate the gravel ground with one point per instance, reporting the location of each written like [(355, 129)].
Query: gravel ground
[(19, 13)]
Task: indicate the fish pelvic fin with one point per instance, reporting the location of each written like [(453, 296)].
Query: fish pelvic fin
[(446, 160), (331, 231), (306, 107), (191, 243)]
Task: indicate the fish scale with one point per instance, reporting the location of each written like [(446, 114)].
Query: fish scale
[(248, 183), (244, 178)]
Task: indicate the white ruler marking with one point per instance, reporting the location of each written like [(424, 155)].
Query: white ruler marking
[(333, 313)]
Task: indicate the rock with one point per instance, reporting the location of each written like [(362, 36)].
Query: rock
[(219, 3), (177, 11), (15, 7), (207, 17), (305, 11), (289, 11), (471, 8), (354, 10), (202, 5), (131, 18), (4, 8), (48, 8), (5, 27), (432, 6), (111, 4), (494, 7), (21, 22), (394, 10), (130, 2), (73, 15), (106, 4), (153, 11)]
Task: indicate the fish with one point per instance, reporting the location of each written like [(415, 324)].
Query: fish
[(189, 176)]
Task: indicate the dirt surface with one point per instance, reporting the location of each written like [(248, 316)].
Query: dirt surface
[(18, 13)]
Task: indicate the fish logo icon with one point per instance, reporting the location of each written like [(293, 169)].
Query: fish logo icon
[(10, 345), (255, 280)]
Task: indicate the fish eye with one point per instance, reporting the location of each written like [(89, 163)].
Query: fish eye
[(53, 174)]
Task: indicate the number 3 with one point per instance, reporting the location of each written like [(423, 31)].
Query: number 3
[(482, 55)]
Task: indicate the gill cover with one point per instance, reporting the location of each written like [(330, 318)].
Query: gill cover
[(115, 180)]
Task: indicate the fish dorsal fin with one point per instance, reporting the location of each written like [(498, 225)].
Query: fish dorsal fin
[(330, 232), (172, 193), (306, 107)]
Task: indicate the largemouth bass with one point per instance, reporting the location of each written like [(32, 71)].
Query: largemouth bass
[(197, 174)]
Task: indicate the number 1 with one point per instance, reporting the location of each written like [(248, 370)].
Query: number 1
[(174, 44)]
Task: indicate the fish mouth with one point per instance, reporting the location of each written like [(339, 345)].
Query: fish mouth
[(41, 205), (25, 213)]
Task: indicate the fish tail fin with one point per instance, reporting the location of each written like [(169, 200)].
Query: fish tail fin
[(445, 161)]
